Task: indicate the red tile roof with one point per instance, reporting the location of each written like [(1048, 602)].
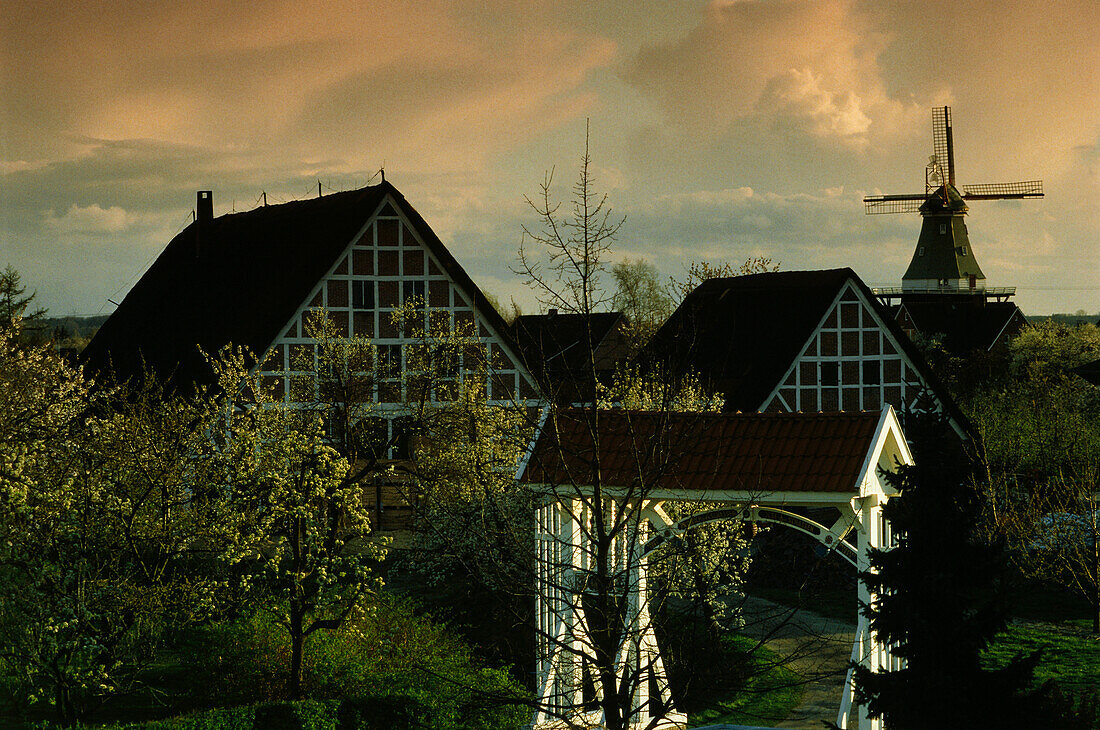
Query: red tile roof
[(764, 452)]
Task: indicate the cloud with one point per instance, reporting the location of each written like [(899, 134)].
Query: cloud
[(803, 65), (866, 73), (88, 220), (420, 84), (798, 95), (721, 128)]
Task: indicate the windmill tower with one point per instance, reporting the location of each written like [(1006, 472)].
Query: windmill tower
[(944, 261)]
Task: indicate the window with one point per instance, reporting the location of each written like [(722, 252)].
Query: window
[(962, 250), (389, 361), (920, 250), (362, 294), (872, 372), (943, 229), (404, 437), (412, 292), (334, 425), (371, 435), (830, 373), (448, 364)]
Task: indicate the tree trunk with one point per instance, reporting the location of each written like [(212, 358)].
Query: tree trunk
[(296, 642), (297, 614), (64, 709), (1096, 595), (1095, 583)]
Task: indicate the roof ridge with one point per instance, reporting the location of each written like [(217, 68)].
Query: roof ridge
[(313, 200)]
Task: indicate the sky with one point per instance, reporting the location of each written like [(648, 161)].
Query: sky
[(721, 130)]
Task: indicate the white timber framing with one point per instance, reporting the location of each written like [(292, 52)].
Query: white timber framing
[(565, 563), (852, 361), (386, 264)]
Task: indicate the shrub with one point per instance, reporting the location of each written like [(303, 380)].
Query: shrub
[(391, 663)]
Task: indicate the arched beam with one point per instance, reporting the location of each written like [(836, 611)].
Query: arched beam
[(773, 515)]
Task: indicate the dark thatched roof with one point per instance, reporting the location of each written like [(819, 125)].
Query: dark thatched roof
[(238, 279), (555, 348), (965, 324), (741, 334)]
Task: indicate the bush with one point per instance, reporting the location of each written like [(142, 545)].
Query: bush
[(391, 662), (305, 715), (382, 713), (374, 712)]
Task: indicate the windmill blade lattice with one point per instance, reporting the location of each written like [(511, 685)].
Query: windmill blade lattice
[(999, 191), (940, 177), (893, 203), (943, 146)]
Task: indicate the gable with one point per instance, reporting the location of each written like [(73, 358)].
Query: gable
[(740, 334), (856, 361), (388, 261), (849, 363), (237, 279)]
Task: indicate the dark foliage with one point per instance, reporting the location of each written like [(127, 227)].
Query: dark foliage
[(939, 600), (391, 659)]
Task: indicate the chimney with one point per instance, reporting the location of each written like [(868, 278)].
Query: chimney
[(204, 207), (204, 218)]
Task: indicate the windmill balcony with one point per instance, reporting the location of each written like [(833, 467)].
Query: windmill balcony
[(953, 287)]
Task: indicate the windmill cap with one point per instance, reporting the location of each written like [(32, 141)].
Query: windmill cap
[(946, 199)]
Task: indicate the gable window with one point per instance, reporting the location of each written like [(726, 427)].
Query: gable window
[(389, 360), (362, 294), (412, 291), (872, 372), (830, 373), (448, 364)]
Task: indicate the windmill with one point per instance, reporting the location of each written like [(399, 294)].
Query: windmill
[(944, 261)]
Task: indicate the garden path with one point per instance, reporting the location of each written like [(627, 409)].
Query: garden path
[(816, 647)]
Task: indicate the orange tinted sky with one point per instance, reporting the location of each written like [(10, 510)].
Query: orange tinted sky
[(721, 129)]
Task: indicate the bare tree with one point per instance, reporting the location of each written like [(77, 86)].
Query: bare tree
[(597, 657), (589, 626), (1056, 531)]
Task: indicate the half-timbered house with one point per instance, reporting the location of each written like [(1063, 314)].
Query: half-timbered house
[(253, 278), (796, 341)]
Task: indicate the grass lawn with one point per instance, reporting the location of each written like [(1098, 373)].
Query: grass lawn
[(767, 696), (1036, 601), (1070, 655)]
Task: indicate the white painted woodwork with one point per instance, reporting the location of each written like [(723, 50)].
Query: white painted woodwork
[(564, 560)]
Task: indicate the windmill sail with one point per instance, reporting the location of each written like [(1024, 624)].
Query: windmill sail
[(1001, 191), (939, 178), (943, 146), (894, 203)]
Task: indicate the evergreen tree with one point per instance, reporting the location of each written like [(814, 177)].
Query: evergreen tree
[(13, 303), (14, 306), (937, 599)]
